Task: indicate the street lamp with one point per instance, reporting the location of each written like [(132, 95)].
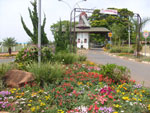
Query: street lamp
[(39, 33)]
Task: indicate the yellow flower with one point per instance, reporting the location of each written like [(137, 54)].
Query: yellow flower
[(42, 104), (125, 98), (123, 93), (148, 107), (125, 88), (118, 91), (41, 91), (33, 94), (139, 99), (60, 111), (143, 91), (115, 112), (117, 105), (29, 105), (30, 101), (12, 92), (79, 83), (37, 107), (33, 109), (134, 99), (47, 97)]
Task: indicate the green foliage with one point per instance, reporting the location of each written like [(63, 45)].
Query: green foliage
[(47, 72), (108, 46), (66, 58), (3, 69), (34, 19), (116, 49), (28, 55), (115, 72), (62, 38), (134, 47), (82, 58), (9, 42), (104, 20)]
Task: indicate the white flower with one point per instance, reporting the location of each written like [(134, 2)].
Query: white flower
[(122, 111), (22, 102), (131, 103)]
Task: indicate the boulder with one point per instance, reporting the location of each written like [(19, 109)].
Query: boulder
[(17, 78)]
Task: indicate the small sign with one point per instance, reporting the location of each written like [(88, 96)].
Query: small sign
[(145, 34), (109, 11), (110, 34)]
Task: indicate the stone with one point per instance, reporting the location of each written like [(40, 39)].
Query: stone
[(17, 78)]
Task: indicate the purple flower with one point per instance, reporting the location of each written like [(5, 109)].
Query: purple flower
[(4, 93), (106, 110)]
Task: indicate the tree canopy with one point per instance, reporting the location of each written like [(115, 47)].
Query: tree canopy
[(112, 22), (34, 19)]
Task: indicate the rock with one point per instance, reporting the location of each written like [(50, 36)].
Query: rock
[(16, 78)]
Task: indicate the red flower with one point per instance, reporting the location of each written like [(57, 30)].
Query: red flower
[(96, 108), (90, 108), (110, 96)]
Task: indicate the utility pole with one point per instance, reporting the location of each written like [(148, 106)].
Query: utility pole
[(39, 33)]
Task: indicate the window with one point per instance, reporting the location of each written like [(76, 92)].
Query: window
[(78, 40), (85, 40)]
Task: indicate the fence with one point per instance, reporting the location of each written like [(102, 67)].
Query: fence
[(18, 47)]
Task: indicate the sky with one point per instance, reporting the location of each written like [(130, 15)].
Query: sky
[(11, 10)]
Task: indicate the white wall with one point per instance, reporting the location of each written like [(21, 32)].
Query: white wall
[(81, 37)]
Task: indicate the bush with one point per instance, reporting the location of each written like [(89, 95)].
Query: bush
[(82, 58), (108, 46), (3, 69), (115, 50), (66, 58), (30, 54), (134, 47), (121, 50), (115, 72), (47, 73)]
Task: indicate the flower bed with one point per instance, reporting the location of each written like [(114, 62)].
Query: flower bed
[(83, 90)]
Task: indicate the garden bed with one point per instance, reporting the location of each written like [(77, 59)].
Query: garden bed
[(84, 88)]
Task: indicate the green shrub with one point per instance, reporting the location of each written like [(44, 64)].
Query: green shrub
[(115, 50), (66, 58), (82, 58), (121, 50), (3, 69), (47, 72), (30, 54), (108, 46), (134, 47), (115, 72)]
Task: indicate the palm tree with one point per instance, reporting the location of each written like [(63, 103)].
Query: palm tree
[(138, 28), (9, 42)]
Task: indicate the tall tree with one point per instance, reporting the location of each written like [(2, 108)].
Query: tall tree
[(34, 19), (104, 20), (61, 36), (9, 42)]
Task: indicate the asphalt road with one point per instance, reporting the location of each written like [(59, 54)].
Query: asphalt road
[(139, 71), (7, 60)]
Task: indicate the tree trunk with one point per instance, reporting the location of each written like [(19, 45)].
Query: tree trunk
[(9, 50)]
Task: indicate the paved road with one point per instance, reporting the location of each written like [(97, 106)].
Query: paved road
[(139, 71), (7, 60)]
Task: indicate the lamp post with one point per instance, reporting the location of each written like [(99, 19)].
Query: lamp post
[(39, 33)]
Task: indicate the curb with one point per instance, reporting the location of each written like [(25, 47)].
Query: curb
[(121, 57)]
